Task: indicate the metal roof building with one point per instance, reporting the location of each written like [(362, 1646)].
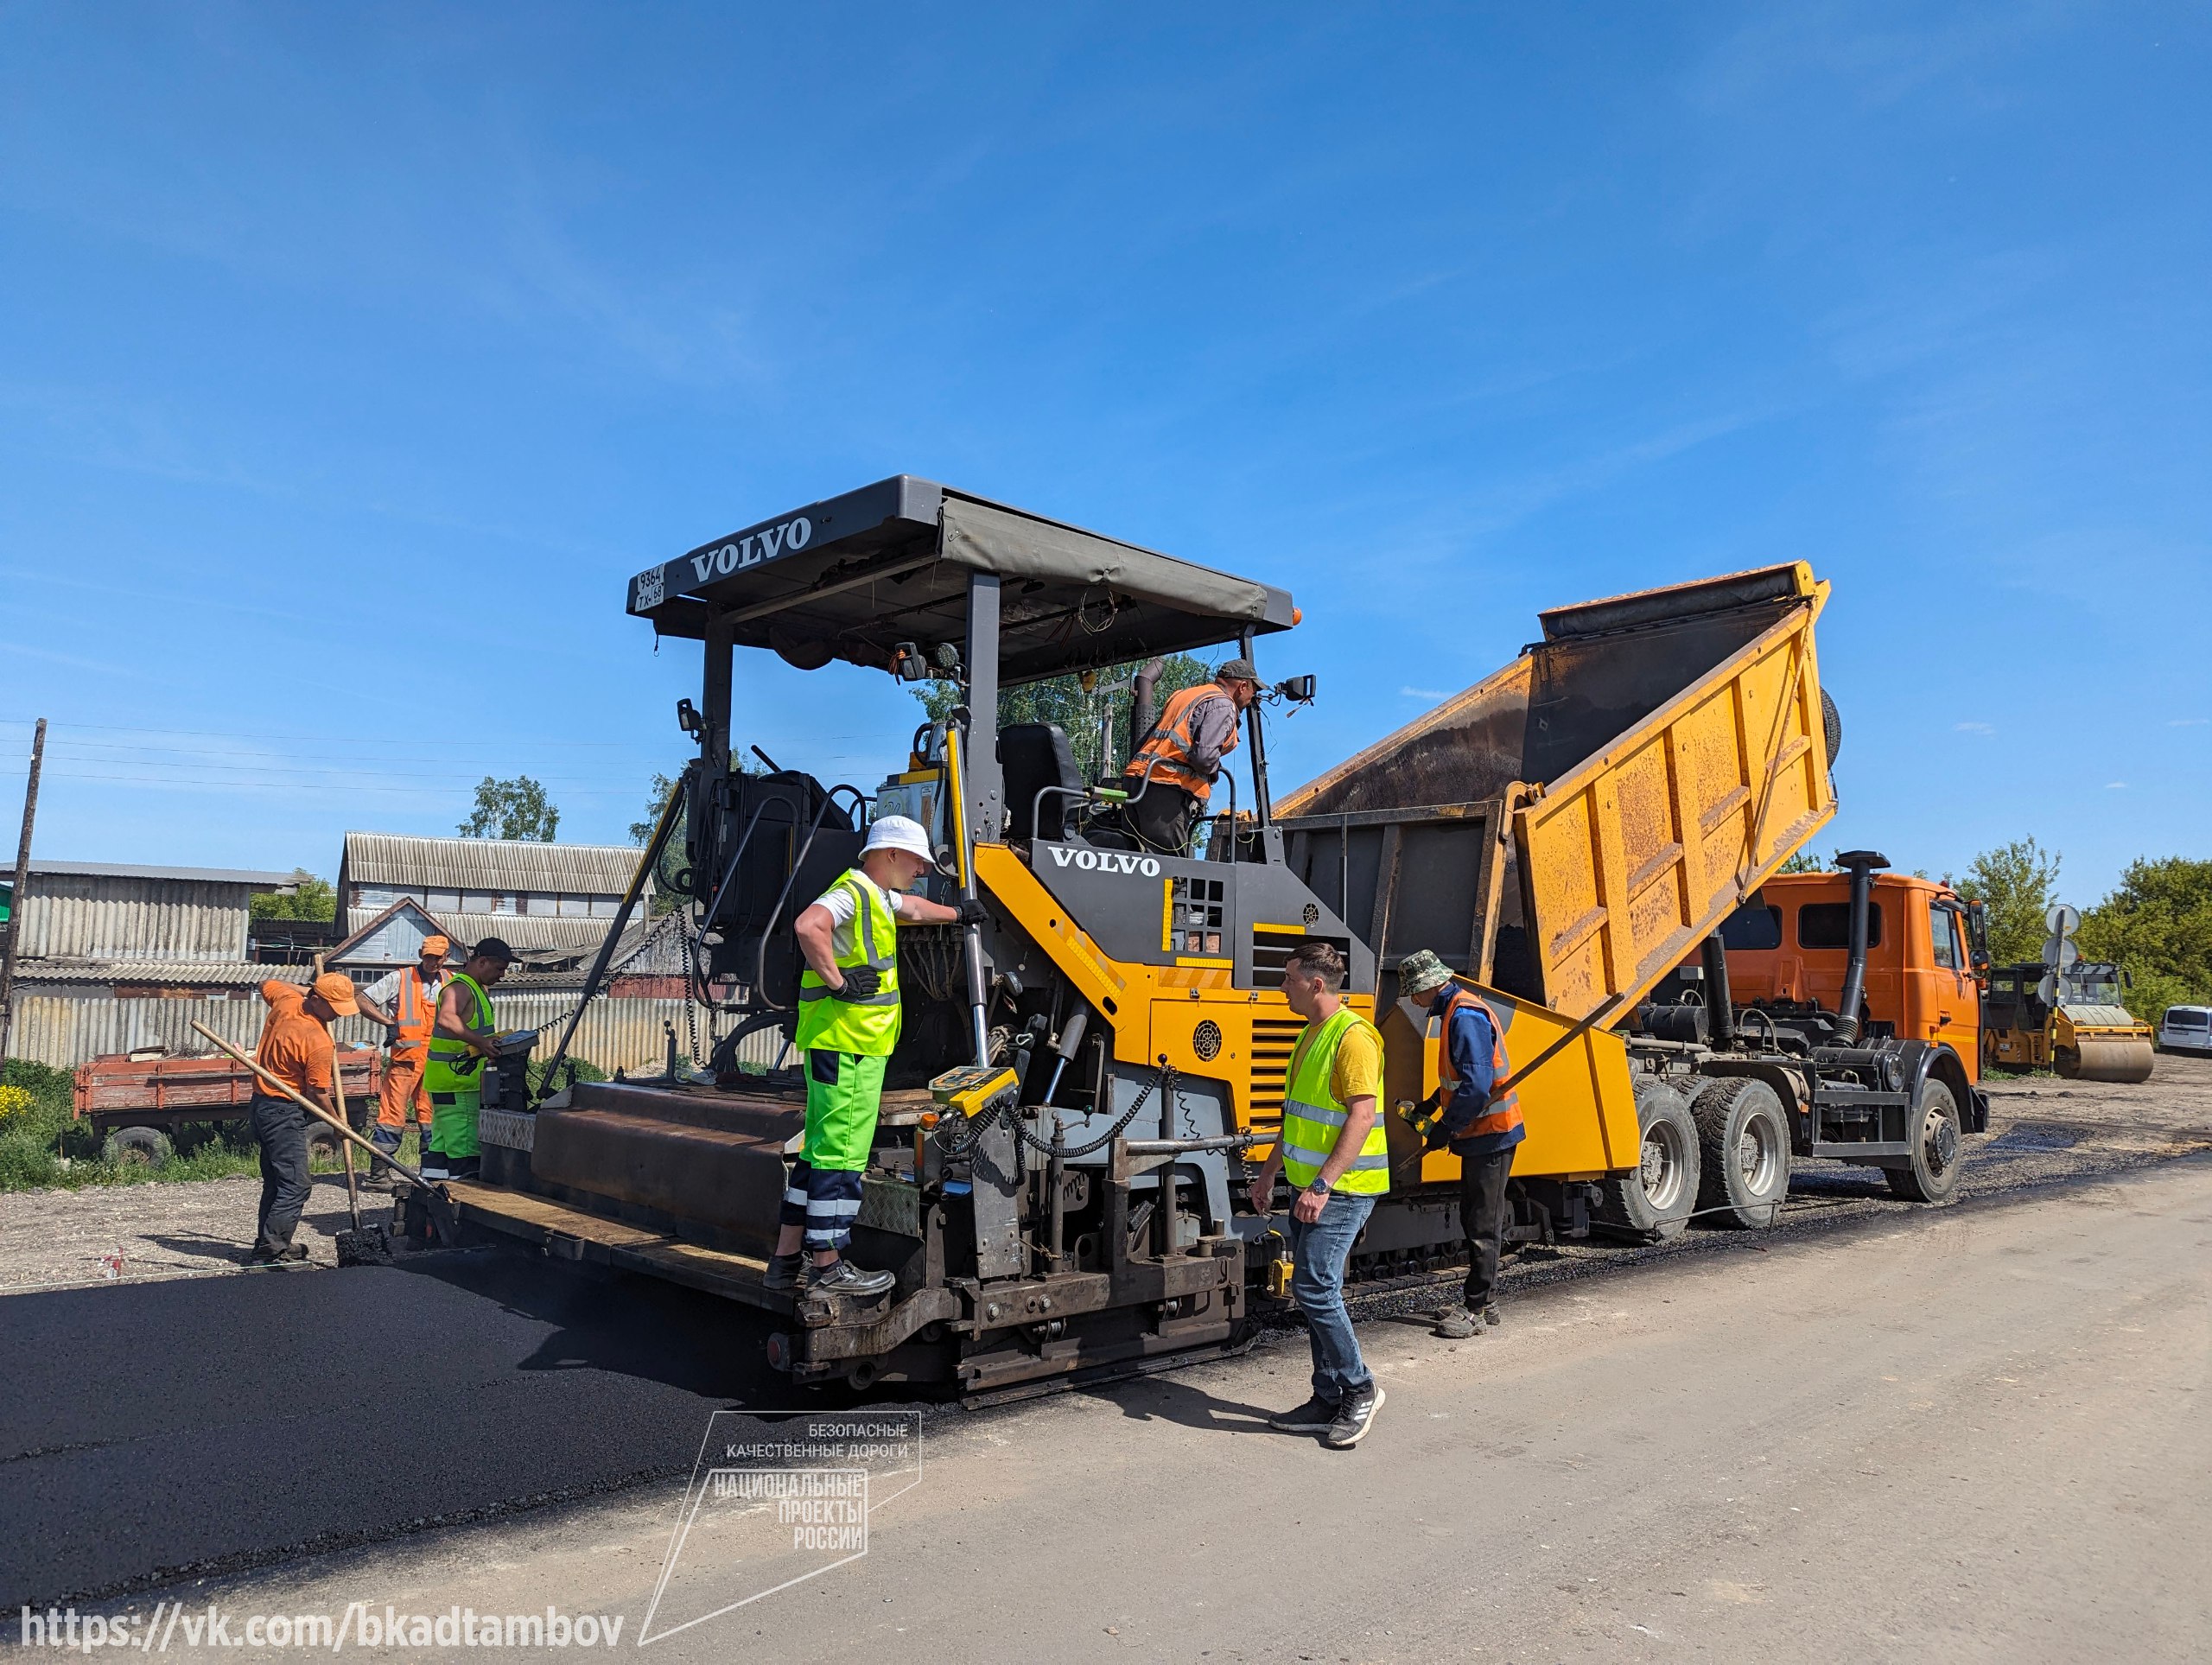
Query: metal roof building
[(548, 899), (103, 911)]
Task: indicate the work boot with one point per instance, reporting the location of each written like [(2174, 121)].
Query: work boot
[(1354, 1417), (1316, 1416), (783, 1272), (1489, 1315), (1457, 1323), (841, 1277)]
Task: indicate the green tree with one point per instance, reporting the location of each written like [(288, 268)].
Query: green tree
[(1063, 700), (2015, 883), (641, 832), (2158, 925), (1804, 862), (512, 809), (311, 899)]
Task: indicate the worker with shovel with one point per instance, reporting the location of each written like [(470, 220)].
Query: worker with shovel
[(848, 1024), (295, 1048), (406, 1003), (463, 1038)]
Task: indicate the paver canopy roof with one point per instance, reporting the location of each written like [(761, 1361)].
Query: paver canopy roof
[(851, 577)]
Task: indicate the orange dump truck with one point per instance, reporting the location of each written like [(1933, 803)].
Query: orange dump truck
[(1570, 830)]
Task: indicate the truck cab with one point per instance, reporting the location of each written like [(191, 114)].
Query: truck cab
[(1789, 951)]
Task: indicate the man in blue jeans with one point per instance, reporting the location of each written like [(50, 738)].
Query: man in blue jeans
[(1336, 1155)]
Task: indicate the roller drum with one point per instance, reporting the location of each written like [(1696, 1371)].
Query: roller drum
[(2092, 1058)]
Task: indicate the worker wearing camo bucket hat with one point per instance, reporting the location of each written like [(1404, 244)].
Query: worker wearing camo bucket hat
[(848, 1024), (1479, 1124)]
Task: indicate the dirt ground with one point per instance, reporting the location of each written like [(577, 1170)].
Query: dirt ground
[(2042, 1129)]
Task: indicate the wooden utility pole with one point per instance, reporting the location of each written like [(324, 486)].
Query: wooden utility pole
[(17, 901)]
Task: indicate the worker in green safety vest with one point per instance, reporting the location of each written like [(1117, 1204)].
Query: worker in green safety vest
[(1334, 1151), (463, 1038), (848, 1025)]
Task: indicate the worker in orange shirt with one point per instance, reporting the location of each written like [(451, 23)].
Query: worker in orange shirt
[(406, 1003), (296, 1048)]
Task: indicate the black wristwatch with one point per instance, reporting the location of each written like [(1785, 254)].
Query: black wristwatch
[(1319, 1187)]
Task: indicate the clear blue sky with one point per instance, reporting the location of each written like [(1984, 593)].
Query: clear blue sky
[(352, 358)]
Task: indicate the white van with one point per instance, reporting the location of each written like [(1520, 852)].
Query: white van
[(2186, 1029)]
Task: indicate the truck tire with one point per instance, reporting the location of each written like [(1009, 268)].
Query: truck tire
[(1933, 1176), (1744, 1150), (324, 1143), (1653, 1201), (148, 1145), (1831, 727)]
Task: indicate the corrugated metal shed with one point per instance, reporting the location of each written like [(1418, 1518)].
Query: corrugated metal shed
[(400, 941), (489, 864), (85, 914), (170, 973), (254, 878)]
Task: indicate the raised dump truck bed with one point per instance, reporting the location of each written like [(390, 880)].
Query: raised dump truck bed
[(1567, 830), (1570, 830)]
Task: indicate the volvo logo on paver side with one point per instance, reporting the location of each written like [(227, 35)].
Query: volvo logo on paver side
[(1105, 861), (753, 549)]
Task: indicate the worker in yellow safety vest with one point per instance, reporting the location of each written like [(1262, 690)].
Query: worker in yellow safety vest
[(1335, 1154), (1171, 774), (463, 1038), (848, 1025), (406, 1003), (1479, 1124)]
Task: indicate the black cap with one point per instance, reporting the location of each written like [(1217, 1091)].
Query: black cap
[(1240, 669), (493, 948)]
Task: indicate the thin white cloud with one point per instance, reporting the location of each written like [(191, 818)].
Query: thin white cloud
[(2115, 785), (2187, 722), (1975, 727), (1425, 693)]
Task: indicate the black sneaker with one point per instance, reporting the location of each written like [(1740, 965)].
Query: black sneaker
[(783, 1272), (1457, 1323), (1316, 1416), (841, 1277), (1354, 1418)]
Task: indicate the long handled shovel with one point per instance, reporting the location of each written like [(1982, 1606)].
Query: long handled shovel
[(441, 1205)]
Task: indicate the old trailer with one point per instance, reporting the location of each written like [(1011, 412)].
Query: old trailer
[(1056, 1181)]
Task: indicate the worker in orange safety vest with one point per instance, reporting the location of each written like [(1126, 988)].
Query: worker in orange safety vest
[(406, 1003), (1479, 1124), (1171, 774)]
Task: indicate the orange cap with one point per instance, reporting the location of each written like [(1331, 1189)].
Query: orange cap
[(438, 945), (338, 988)]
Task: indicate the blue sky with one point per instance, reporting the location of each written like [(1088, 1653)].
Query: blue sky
[(351, 359)]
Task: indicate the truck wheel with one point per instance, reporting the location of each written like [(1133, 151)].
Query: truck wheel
[(149, 1146), (1652, 1201), (1744, 1144), (1934, 1175), (1831, 727), (323, 1144)]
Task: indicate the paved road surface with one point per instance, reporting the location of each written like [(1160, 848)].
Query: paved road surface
[(1974, 1433)]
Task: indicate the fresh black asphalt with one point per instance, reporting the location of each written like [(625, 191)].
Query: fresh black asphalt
[(156, 1431), (151, 1430)]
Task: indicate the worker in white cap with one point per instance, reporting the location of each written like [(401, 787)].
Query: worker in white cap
[(848, 1024)]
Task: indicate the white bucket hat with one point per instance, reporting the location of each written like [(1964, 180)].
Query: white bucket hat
[(897, 832)]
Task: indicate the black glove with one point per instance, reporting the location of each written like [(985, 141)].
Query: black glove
[(972, 911), (861, 982)]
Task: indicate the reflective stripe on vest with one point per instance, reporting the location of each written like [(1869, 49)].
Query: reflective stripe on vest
[(439, 1074), (1313, 1116), (1167, 746), (868, 1027), (418, 1011), (1504, 1113)]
